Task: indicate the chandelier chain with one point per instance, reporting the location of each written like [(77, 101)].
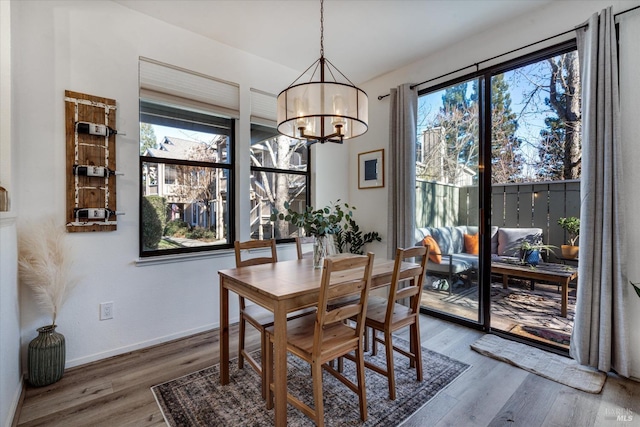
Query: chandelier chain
[(321, 28)]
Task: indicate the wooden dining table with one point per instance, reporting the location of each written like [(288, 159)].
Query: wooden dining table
[(281, 287)]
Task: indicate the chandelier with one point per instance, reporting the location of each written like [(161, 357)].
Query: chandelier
[(321, 111)]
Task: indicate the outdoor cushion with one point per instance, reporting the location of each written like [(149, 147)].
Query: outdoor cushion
[(435, 254), (510, 239), (471, 243)]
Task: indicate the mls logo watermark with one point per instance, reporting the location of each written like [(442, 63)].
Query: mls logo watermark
[(618, 414)]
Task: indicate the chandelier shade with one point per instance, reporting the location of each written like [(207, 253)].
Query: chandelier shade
[(323, 111)]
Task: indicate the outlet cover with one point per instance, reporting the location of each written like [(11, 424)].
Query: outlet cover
[(106, 310)]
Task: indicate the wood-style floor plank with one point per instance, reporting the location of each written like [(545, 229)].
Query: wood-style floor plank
[(116, 391)]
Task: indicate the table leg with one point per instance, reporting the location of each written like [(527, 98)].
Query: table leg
[(565, 297), (505, 281), (280, 364), (224, 333)]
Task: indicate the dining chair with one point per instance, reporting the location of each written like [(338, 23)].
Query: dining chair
[(303, 241), (257, 316), (324, 337), (388, 315)]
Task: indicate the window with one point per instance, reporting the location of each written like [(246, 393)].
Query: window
[(186, 163), (279, 174)]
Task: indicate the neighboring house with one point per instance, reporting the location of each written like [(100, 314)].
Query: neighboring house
[(192, 194)]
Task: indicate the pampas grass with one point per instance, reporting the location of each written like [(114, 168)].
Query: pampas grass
[(44, 263)]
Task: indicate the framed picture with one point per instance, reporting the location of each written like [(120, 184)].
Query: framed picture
[(371, 169)]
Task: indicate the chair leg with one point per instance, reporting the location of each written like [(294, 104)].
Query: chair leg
[(362, 390), (267, 369), (374, 344), (241, 333), (417, 348), (263, 361), (317, 393), (388, 345)]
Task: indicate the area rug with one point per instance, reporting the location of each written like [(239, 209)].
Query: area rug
[(548, 365), (538, 309), (198, 399)]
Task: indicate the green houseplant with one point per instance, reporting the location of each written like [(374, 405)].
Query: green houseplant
[(44, 266), (333, 226), (572, 226)]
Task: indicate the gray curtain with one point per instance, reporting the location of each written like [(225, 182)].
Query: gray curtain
[(600, 337), (402, 168)]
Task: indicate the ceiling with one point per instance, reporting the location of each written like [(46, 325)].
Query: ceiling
[(364, 39)]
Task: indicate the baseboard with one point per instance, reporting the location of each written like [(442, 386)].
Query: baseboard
[(16, 406), (137, 346)]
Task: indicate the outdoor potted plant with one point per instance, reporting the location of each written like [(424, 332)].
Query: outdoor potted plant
[(530, 252), (572, 226), (44, 266)]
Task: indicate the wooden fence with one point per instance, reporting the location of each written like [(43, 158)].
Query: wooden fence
[(538, 204)]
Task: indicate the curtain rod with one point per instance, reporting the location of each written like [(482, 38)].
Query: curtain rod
[(477, 64)]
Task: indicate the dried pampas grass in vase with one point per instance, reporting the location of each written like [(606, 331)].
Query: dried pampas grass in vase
[(44, 263)]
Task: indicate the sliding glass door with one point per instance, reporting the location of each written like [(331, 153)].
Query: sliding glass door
[(447, 197)]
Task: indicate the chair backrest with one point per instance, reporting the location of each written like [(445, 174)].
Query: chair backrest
[(303, 241), (343, 276), (255, 244), (414, 276)]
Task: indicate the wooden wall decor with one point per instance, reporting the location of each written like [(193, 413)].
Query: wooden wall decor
[(91, 162)]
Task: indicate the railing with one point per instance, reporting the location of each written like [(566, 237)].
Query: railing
[(537, 204)]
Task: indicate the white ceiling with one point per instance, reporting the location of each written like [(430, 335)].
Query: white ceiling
[(364, 39)]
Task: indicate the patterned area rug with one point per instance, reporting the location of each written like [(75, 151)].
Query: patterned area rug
[(539, 309), (198, 399), (548, 365)]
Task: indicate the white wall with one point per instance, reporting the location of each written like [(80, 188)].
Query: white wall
[(93, 47), (550, 20), (10, 372)]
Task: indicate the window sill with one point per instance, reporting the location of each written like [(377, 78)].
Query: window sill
[(169, 259)]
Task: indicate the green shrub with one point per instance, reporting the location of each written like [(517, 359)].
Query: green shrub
[(200, 233), (153, 220), (177, 228)]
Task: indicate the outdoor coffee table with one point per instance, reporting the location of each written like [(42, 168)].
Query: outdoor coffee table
[(549, 272)]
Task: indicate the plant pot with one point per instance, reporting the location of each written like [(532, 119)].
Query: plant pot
[(46, 357), (531, 256), (569, 251)]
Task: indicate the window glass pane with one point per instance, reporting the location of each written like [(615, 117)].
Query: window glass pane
[(266, 185), (536, 122), (189, 212), (279, 174)]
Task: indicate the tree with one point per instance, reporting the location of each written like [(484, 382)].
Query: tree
[(147, 137), (506, 157), (277, 152)]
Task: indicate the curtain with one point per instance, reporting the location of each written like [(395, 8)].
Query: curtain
[(402, 168), (600, 337)]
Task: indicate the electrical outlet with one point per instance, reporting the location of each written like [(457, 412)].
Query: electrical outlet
[(106, 311)]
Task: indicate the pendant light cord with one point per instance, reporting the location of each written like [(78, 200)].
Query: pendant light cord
[(321, 28)]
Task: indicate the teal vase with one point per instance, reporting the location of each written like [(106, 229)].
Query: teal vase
[(46, 357)]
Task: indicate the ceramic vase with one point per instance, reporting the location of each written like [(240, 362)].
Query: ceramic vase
[(46, 357)]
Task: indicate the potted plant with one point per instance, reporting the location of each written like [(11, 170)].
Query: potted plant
[(333, 227), (572, 226), (530, 252), (44, 266)]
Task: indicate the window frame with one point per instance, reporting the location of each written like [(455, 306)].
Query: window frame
[(228, 125)]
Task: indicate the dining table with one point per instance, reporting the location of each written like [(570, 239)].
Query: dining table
[(283, 287)]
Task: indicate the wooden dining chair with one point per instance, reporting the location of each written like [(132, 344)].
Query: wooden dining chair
[(257, 316), (324, 337), (388, 316), (303, 241)]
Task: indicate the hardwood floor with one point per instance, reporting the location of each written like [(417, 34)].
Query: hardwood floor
[(116, 391)]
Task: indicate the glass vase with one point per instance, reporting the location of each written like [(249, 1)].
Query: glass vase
[(46, 357)]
